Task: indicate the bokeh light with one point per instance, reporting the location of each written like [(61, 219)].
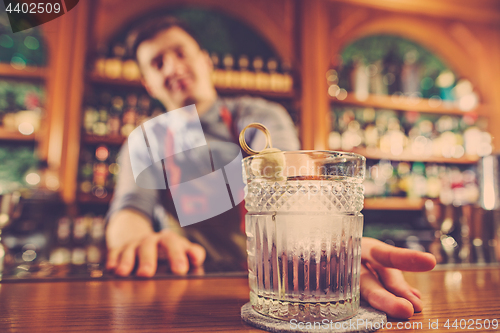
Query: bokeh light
[(26, 128), (18, 62), (33, 178), (6, 41), (31, 43)]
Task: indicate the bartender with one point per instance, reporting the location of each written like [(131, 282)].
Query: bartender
[(177, 72)]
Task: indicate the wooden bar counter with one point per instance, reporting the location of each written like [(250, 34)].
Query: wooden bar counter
[(212, 304)]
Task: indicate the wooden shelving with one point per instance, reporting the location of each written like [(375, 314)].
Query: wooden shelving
[(10, 135), (258, 93), (36, 73), (223, 91), (376, 154), (116, 140), (395, 203), (408, 104), (116, 82)]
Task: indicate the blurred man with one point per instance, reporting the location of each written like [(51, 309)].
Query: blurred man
[(177, 72)]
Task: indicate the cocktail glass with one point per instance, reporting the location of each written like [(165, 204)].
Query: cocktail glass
[(304, 230)]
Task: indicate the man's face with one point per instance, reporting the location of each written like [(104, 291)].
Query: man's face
[(175, 70)]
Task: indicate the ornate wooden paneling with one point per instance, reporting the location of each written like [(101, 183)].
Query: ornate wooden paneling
[(465, 45), (273, 19)]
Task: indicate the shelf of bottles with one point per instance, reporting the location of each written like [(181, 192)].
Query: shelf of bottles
[(79, 244), (21, 109), (230, 76), (110, 115), (22, 61), (391, 72), (108, 118), (117, 103), (97, 173), (420, 127), (413, 155), (22, 97)]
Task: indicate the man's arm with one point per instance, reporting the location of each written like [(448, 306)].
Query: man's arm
[(130, 235)]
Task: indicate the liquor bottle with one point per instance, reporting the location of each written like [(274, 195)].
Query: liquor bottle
[(371, 136), (405, 181), (353, 137), (457, 186), (359, 79), (265, 79), (231, 77), (392, 185), (247, 78), (392, 71), (410, 74), (286, 69), (471, 187), (447, 241), (369, 182), (446, 81), (101, 126), (3, 106), (130, 70), (101, 171), (465, 223), (143, 107), (9, 117), (100, 61), (90, 117), (129, 118), (96, 247), (260, 76), (427, 86), (394, 140), (144, 103), (217, 73), (113, 67), (419, 187), (156, 111), (114, 119), (100, 177), (274, 77), (80, 231), (433, 181), (61, 253), (113, 168), (376, 78), (86, 172)]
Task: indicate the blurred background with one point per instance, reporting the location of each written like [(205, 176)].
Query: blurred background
[(412, 85)]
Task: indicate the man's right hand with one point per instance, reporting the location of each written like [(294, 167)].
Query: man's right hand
[(130, 237)]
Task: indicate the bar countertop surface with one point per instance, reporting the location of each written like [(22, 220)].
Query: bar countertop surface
[(212, 304)]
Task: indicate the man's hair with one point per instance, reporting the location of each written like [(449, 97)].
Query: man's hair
[(150, 29)]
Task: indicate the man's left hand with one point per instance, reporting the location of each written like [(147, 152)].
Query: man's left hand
[(382, 281)]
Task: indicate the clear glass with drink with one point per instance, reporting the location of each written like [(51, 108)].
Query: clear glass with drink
[(304, 230)]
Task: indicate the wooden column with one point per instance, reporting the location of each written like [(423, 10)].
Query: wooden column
[(494, 89), (314, 65), (57, 94), (71, 145), (60, 145)]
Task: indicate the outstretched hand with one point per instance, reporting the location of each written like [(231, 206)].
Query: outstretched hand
[(382, 281), (180, 253)]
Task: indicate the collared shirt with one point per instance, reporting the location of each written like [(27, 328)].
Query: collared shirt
[(221, 236)]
